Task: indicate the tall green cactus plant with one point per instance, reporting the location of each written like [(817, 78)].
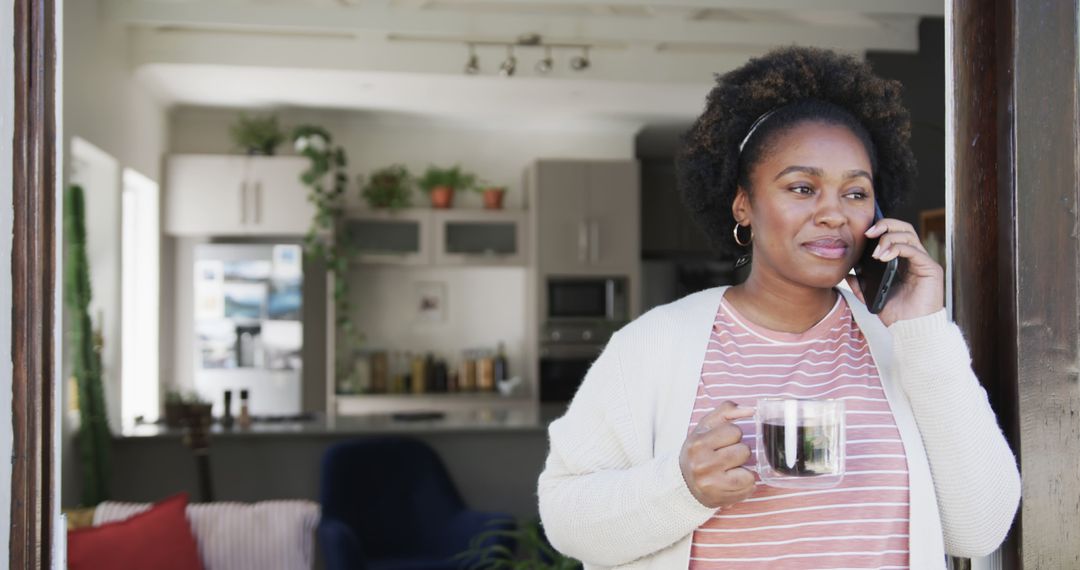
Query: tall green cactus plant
[(94, 433)]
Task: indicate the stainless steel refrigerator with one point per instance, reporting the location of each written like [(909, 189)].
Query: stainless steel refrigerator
[(248, 325)]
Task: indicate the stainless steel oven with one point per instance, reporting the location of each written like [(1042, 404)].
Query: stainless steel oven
[(563, 367), (587, 298)]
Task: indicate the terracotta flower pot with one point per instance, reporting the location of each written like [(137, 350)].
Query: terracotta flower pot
[(493, 198), (442, 196)]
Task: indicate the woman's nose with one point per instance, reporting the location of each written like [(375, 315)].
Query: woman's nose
[(829, 213)]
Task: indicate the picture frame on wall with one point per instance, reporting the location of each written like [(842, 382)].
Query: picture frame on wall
[(430, 302)]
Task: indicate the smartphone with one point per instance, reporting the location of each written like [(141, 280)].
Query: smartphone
[(877, 278)]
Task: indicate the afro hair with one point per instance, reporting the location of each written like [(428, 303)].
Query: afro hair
[(838, 89)]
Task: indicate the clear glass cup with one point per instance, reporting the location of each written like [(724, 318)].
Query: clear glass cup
[(800, 443)]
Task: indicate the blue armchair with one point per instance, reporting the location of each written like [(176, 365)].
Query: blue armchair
[(389, 504)]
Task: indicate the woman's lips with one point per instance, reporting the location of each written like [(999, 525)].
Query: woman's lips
[(828, 249)]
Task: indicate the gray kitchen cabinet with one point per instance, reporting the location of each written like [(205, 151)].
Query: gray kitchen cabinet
[(388, 237), (479, 237), (587, 216), (228, 195), (668, 231)]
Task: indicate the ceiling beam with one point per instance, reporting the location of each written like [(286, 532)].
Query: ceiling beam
[(206, 14), (886, 7), (635, 64)]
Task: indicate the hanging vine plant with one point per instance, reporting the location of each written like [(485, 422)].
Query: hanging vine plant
[(327, 184)]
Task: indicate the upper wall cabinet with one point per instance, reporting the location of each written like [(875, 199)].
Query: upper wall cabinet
[(236, 195), (389, 237), (479, 237), (587, 216), (420, 236)]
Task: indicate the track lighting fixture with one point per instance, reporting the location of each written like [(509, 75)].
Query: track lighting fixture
[(544, 65), (509, 65), (580, 62), (472, 66)]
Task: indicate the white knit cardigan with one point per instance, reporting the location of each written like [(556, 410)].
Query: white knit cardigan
[(612, 493)]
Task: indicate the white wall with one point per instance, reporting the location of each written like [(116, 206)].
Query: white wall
[(7, 120), (485, 305), (104, 105)]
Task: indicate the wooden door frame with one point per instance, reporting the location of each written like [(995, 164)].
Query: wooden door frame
[(33, 284), (1014, 218)]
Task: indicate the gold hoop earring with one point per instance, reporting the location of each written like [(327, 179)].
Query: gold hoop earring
[(747, 242)]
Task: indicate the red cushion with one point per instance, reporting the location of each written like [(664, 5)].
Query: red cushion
[(159, 538)]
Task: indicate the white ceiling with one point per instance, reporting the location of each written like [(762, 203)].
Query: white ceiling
[(652, 60)]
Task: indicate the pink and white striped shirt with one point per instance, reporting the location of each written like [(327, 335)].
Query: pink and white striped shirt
[(861, 523)]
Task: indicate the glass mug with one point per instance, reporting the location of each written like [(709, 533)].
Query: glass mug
[(800, 443)]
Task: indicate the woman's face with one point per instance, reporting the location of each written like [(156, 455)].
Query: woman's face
[(811, 201)]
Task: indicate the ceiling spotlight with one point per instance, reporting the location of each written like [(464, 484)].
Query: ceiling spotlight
[(472, 66), (509, 65), (545, 65), (580, 62)]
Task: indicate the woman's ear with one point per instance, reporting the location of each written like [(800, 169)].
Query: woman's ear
[(740, 208)]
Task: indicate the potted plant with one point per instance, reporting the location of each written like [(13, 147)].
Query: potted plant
[(257, 135), (493, 197), (533, 552), (441, 183), (179, 407), (389, 187)]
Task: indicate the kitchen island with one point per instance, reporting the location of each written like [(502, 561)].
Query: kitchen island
[(493, 456)]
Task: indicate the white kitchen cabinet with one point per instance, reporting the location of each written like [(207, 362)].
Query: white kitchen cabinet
[(212, 195), (587, 216), (280, 203)]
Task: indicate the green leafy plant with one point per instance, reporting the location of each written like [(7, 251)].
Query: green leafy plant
[(389, 187), (533, 550), (94, 435), (257, 134), (327, 182), (453, 177)]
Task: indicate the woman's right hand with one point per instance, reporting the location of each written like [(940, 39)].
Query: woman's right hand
[(713, 455)]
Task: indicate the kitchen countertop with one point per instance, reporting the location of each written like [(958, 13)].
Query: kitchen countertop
[(476, 421)]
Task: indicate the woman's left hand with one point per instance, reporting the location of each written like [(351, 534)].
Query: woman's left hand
[(922, 289)]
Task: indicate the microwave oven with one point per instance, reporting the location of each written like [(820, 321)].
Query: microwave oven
[(588, 298)]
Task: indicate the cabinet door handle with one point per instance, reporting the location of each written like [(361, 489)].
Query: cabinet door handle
[(594, 241), (583, 241), (257, 210), (243, 202)]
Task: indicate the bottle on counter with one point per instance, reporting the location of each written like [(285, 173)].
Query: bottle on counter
[(429, 373), (380, 371), (467, 378), (485, 374), (502, 369), (244, 420), (452, 380), (397, 373), (419, 375), (360, 379), (227, 417), (440, 377)]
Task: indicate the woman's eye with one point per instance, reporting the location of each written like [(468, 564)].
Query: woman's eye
[(858, 194), (802, 189)]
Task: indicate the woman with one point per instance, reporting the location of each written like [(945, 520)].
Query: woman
[(649, 466)]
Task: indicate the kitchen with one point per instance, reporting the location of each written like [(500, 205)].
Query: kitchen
[(589, 235)]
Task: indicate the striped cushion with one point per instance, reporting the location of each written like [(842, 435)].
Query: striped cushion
[(269, 535)]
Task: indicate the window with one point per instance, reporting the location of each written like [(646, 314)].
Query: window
[(139, 300)]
